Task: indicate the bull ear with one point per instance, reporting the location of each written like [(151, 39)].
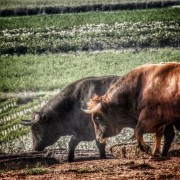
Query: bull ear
[(36, 117), (45, 117)]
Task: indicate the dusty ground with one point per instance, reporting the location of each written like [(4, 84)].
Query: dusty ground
[(120, 164)]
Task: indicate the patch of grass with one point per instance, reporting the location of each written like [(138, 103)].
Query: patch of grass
[(64, 21), (2, 171), (54, 71), (36, 171)]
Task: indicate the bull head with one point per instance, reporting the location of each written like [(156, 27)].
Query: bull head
[(29, 122), (94, 110)]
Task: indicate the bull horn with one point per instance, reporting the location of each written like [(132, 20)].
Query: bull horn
[(97, 108), (26, 122)]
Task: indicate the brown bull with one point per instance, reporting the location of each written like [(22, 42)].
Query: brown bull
[(147, 99)]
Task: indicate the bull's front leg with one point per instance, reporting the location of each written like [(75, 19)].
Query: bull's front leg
[(139, 136), (101, 147), (157, 137), (72, 145), (144, 125), (148, 123)]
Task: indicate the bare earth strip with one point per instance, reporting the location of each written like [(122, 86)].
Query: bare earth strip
[(88, 166)]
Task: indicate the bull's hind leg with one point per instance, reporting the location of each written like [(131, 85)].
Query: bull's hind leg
[(169, 135), (72, 145)]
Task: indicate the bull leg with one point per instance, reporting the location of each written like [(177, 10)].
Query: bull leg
[(72, 145), (158, 136), (147, 120), (101, 147), (139, 136), (177, 125), (168, 138)]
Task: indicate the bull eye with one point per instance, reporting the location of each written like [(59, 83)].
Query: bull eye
[(35, 128), (97, 119)]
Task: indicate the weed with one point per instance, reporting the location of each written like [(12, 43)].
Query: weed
[(39, 169), (36, 171)]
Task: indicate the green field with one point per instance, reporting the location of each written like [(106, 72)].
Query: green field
[(47, 52), (35, 3), (54, 71)]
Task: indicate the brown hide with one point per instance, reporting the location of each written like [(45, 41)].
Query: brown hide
[(148, 95)]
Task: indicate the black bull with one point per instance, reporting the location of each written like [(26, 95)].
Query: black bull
[(62, 116)]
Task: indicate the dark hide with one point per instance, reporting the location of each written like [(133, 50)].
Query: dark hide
[(62, 115), (169, 135)]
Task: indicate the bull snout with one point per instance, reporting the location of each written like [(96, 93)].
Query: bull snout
[(101, 138), (38, 148)]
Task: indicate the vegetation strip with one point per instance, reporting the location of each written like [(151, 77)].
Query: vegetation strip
[(21, 109), (4, 4), (66, 21), (13, 135), (86, 8), (90, 37)]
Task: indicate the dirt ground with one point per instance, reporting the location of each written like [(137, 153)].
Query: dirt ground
[(122, 163)]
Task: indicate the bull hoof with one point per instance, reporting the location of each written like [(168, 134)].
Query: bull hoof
[(159, 158), (102, 156), (149, 151), (156, 154), (164, 154), (70, 158)]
